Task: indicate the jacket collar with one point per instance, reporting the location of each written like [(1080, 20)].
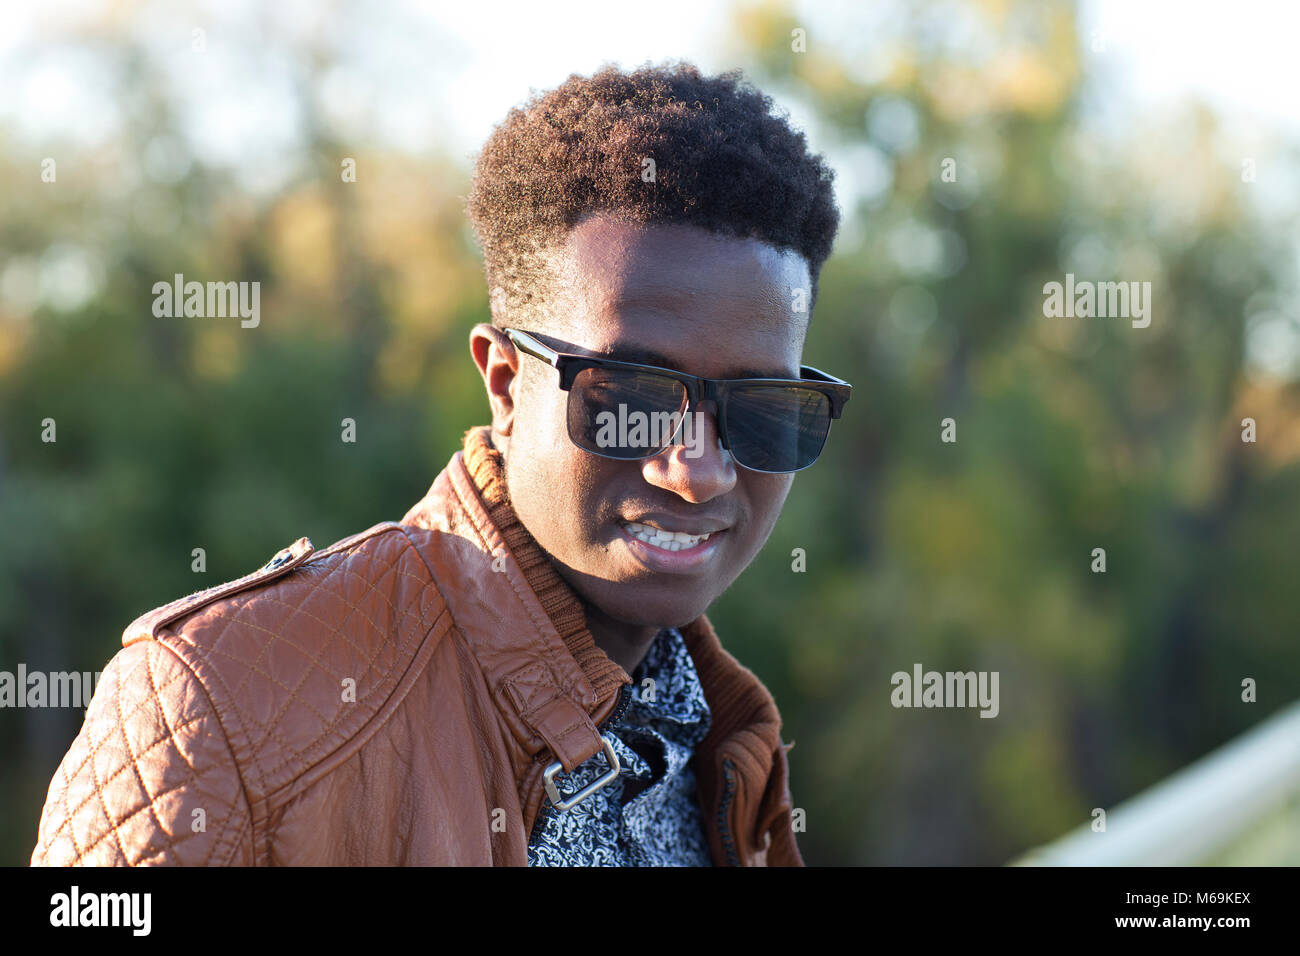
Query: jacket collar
[(528, 630), (525, 626)]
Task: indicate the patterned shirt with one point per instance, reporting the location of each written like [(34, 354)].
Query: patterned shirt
[(649, 815)]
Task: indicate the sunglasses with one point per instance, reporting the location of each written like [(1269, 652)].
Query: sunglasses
[(628, 411)]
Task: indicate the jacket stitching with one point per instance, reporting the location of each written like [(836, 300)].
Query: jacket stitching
[(526, 700), (87, 761), (345, 749), (245, 827), (253, 667), (304, 754), (225, 738), (115, 824), (171, 735), (335, 628), (295, 609), (526, 684)]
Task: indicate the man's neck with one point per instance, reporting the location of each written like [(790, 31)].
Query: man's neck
[(625, 644)]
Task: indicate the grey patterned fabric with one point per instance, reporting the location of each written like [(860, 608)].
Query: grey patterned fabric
[(649, 815)]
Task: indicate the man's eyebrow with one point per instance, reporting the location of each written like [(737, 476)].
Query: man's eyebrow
[(650, 357)]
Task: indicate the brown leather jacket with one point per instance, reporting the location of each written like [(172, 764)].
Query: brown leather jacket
[(393, 699)]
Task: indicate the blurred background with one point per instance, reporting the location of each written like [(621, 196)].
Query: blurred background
[(1160, 145)]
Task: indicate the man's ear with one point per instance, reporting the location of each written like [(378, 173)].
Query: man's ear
[(498, 363)]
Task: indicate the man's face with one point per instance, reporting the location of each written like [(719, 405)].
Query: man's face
[(681, 298)]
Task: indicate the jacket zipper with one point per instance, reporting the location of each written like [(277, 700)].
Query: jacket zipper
[(728, 773), (724, 827), (624, 700)]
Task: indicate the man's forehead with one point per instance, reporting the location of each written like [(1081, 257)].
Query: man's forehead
[(612, 258), (680, 297)]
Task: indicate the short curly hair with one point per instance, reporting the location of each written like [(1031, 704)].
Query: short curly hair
[(723, 161)]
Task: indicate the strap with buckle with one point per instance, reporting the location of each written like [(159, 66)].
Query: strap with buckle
[(548, 775)]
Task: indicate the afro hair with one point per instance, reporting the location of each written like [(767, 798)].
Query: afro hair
[(723, 160)]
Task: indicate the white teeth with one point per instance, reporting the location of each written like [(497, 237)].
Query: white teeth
[(668, 540)]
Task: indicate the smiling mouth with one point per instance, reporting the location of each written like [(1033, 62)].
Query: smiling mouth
[(666, 539)]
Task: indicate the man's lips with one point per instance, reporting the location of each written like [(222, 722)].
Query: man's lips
[(667, 521), (673, 545), (668, 540)]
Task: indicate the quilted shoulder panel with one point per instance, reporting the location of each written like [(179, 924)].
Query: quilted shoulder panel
[(150, 778), (297, 666)]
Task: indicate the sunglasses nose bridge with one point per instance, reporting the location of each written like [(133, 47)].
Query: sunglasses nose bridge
[(712, 392), (694, 429)]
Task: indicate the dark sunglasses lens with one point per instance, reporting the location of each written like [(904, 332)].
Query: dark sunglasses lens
[(777, 428), (624, 413)]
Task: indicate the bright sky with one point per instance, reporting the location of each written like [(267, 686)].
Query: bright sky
[(1238, 55), (443, 73)]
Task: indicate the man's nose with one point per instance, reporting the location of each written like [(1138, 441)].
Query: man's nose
[(698, 468)]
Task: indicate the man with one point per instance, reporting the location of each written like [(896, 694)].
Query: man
[(521, 672)]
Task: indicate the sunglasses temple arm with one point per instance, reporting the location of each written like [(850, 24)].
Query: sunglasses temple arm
[(526, 343)]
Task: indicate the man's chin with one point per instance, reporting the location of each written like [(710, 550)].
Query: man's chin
[(644, 600), (649, 612)]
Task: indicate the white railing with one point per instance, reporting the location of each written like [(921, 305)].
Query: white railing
[(1196, 814)]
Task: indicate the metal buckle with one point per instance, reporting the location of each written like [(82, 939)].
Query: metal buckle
[(553, 792)]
